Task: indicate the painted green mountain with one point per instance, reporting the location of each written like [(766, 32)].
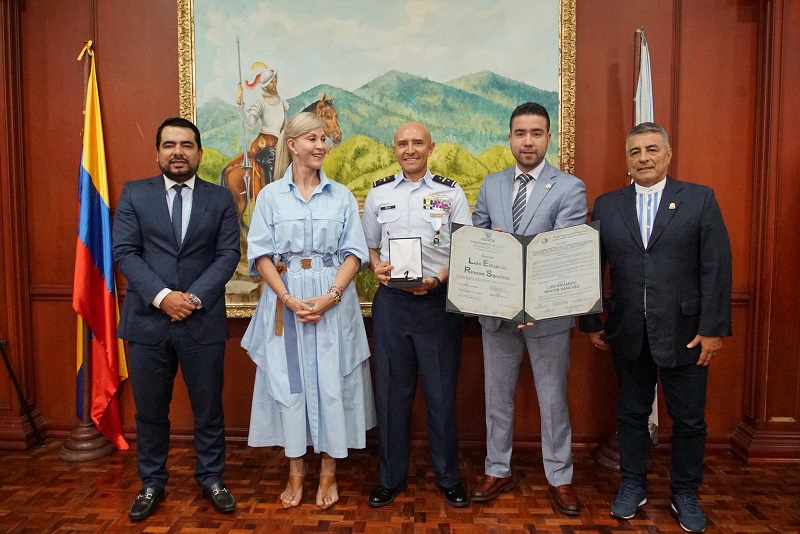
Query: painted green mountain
[(468, 115), (356, 115), (226, 137), (472, 110), (216, 113), (507, 92), (452, 114), (510, 93)]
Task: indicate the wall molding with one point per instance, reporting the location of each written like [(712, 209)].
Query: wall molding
[(14, 428)]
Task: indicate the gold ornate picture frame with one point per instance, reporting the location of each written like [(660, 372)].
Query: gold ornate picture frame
[(450, 64)]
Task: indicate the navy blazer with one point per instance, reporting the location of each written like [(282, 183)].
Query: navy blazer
[(685, 270), (147, 254)]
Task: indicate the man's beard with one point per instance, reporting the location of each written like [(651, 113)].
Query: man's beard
[(179, 176), (271, 96)]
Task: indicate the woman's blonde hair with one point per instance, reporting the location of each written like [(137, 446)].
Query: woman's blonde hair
[(300, 124)]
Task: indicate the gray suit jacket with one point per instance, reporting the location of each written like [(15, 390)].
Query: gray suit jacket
[(147, 254), (560, 205)]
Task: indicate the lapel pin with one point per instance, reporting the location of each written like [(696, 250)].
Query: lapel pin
[(548, 186), (672, 205)]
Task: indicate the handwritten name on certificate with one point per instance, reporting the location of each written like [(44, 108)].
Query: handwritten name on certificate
[(486, 273)]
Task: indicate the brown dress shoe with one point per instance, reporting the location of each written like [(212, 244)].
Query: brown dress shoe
[(565, 498), (490, 487)]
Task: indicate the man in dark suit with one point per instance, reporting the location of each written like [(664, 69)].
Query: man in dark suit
[(176, 240), (670, 260), (526, 199)]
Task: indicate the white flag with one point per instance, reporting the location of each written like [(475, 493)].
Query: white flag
[(643, 112), (644, 87)]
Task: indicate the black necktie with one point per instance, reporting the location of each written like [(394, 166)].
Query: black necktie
[(177, 213), (518, 207)]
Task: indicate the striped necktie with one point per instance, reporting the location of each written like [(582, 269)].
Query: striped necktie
[(177, 213), (518, 207)]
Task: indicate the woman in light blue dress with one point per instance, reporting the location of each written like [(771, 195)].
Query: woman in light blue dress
[(307, 337)]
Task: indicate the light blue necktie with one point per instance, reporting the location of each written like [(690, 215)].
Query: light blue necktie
[(647, 205)]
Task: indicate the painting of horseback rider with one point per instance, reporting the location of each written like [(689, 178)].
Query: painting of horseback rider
[(268, 110)]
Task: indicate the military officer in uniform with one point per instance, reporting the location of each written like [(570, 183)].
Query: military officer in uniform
[(413, 334)]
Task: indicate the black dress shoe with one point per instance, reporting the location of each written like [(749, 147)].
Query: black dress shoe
[(456, 495), (145, 503), (220, 497), (382, 496)]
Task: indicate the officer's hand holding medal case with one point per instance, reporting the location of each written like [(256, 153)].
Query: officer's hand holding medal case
[(405, 255)]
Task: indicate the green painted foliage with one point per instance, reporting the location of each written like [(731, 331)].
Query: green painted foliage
[(355, 158), (213, 163)]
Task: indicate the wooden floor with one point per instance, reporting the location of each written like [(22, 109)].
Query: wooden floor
[(40, 493)]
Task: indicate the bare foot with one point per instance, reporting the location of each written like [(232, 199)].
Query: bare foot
[(328, 492), (293, 494)]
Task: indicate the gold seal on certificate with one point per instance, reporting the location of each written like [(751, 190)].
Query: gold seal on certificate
[(524, 278), (405, 255)]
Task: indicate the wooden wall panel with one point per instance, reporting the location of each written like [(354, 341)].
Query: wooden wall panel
[(782, 407), (52, 90), (138, 51), (770, 428), (5, 173), (604, 84), (714, 136), (54, 357), (16, 431), (716, 114), (52, 36)]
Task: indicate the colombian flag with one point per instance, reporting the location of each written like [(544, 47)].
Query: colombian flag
[(94, 295)]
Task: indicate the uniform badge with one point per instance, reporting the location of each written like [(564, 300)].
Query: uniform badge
[(438, 206)]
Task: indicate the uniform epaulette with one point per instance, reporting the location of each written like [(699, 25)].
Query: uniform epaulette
[(442, 180), (387, 180)]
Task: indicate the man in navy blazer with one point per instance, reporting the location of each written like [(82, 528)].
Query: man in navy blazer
[(176, 240), (550, 200), (668, 251)]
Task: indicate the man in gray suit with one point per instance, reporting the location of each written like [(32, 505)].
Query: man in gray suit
[(176, 240), (527, 199)]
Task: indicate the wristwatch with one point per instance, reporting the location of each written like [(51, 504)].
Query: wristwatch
[(195, 300)]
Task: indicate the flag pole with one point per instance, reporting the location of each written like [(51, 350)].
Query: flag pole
[(246, 164), (637, 59), (85, 442), (643, 92), (607, 455)]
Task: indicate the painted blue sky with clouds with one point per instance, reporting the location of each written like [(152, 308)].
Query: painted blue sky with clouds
[(347, 43)]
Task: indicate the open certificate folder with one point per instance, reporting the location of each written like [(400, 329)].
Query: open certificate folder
[(524, 278)]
